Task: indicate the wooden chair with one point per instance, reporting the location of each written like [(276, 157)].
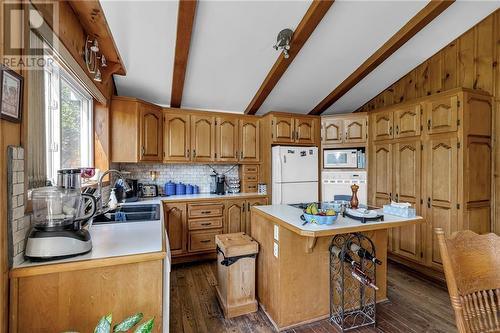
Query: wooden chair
[(472, 268)]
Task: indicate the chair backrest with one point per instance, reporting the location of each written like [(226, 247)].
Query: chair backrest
[(342, 197), (472, 268)]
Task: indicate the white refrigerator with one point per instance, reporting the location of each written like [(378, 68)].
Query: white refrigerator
[(295, 175)]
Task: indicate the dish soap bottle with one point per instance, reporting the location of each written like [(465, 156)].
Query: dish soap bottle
[(112, 202)]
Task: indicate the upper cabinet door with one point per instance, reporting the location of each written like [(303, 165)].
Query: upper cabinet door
[(226, 139), (382, 125), (249, 140), (202, 138), (332, 131), (150, 133), (355, 130), (407, 121), (176, 137), (283, 129), (442, 115), (305, 130)]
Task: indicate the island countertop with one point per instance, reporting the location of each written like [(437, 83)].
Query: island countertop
[(289, 217)]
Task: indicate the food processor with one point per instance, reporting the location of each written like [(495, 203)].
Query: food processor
[(59, 214)]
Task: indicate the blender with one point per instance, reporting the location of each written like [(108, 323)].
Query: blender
[(58, 217)]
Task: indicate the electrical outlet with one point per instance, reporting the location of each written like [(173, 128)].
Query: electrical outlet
[(276, 249), (276, 233)]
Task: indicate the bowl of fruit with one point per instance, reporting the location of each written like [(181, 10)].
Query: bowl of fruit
[(313, 214)]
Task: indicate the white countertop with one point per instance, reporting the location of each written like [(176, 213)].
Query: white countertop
[(291, 216), (116, 240), (190, 197)]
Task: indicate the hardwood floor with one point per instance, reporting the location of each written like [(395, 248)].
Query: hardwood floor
[(416, 305)]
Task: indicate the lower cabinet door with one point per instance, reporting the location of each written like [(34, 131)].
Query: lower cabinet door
[(201, 241), (175, 216), (235, 216)]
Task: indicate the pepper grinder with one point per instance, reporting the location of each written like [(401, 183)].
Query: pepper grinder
[(354, 198)]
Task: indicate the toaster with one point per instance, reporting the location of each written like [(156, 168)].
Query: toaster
[(149, 190)]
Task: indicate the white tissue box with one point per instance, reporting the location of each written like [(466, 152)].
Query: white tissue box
[(400, 211)]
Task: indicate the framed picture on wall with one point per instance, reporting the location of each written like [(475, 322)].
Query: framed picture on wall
[(11, 95)]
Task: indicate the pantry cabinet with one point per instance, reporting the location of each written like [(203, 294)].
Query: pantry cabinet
[(435, 153), (176, 137), (349, 128), (136, 131)]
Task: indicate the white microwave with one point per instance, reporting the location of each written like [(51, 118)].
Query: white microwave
[(340, 158)]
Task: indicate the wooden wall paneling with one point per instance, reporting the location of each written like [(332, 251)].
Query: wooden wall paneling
[(434, 72), (409, 87), (466, 72), (311, 19), (185, 21), (102, 153), (484, 55), (423, 81), (449, 66)]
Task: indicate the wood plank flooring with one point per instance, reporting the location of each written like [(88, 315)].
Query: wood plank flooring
[(416, 305)]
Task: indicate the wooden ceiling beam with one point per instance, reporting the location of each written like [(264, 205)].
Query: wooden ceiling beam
[(309, 22), (410, 29), (185, 21)]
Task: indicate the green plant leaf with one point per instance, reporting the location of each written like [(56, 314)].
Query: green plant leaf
[(104, 325), (146, 327), (128, 323)]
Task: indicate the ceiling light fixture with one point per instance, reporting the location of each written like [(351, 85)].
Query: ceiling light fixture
[(283, 41)]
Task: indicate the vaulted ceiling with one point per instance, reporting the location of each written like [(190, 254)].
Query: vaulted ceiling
[(230, 49)]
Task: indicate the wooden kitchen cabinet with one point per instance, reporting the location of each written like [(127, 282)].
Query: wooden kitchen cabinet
[(407, 121), (226, 130), (249, 147), (175, 219), (407, 175), (176, 137), (136, 131), (202, 138), (345, 129), (382, 125), (332, 130), (305, 130), (234, 216), (283, 129), (438, 158)]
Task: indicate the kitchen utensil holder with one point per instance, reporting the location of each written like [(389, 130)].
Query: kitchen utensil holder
[(352, 304)]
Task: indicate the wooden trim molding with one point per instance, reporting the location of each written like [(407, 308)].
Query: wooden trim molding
[(410, 29), (185, 21), (304, 30)]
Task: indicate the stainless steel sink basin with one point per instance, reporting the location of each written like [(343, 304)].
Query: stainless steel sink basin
[(129, 213)]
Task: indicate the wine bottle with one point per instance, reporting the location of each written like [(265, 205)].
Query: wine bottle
[(363, 253), (347, 258), (363, 278)]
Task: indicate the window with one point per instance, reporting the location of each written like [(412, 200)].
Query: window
[(68, 119)]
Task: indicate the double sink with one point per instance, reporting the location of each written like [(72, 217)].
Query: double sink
[(129, 213)]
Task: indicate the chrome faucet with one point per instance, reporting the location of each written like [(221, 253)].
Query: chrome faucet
[(126, 187)]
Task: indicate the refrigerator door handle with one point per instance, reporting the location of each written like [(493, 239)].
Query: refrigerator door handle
[(284, 159)]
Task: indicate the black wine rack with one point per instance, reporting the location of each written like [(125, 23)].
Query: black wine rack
[(352, 304)]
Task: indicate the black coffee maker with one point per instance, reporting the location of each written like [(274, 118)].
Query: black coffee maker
[(220, 181), (130, 196)]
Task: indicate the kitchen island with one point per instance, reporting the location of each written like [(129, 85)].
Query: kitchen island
[(293, 261)]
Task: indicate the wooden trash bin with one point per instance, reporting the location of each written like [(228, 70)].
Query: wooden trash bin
[(236, 255)]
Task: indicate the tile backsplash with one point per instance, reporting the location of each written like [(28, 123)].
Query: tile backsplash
[(194, 174)]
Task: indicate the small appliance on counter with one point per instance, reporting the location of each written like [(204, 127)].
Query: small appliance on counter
[(58, 217), (124, 196), (148, 190), (220, 181)]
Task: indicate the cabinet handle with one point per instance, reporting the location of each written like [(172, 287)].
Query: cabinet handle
[(205, 224), (248, 204), (429, 202), (194, 152), (397, 129), (142, 150), (187, 152), (205, 241), (397, 197), (241, 154), (429, 124), (390, 196), (206, 212), (390, 130)]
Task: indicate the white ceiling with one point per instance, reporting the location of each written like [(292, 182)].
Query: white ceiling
[(231, 49), (145, 33), (349, 33)]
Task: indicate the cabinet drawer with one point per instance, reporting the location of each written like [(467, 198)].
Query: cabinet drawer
[(250, 169), (203, 240), (205, 210), (249, 187), (251, 178), (205, 223)]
